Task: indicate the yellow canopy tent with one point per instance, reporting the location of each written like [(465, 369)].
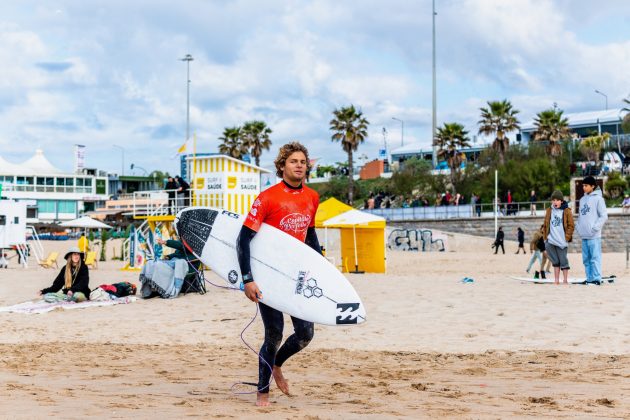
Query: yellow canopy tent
[(362, 239), (329, 208)]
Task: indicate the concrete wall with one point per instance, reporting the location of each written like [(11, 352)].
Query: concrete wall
[(614, 238)]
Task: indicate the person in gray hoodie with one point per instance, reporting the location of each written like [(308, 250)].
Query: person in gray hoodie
[(593, 215)]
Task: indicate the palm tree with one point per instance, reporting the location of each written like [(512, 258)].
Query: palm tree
[(232, 144), (255, 137), (498, 120), (350, 128), (449, 140), (553, 128)]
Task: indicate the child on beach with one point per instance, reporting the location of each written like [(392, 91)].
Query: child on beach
[(593, 215), (537, 248), (558, 232)]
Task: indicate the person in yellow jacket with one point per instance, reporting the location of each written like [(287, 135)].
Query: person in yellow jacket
[(558, 232), (83, 244)]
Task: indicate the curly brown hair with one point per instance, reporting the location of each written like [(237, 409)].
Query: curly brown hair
[(286, 151)]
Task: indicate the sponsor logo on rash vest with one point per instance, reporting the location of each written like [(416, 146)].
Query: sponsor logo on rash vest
[(295, 222)]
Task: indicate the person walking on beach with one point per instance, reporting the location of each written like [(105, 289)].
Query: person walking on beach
[(535, 249), (593, 215), (558, 232), (498, 242), (520, 235), (289, 206)]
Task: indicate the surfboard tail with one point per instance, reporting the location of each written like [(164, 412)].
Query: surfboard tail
[(194, 226)]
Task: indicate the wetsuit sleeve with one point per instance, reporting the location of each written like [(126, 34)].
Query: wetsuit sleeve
[(58, 283), (243, 252), (175, 245), (312, 241)]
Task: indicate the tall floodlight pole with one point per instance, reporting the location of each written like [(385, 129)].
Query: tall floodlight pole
[(187, 59), (434, 122), (402, 130), (605, 97)]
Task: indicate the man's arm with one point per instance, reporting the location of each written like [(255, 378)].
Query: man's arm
[(602, 215), (243, 254), (242, 251), (312, 241)]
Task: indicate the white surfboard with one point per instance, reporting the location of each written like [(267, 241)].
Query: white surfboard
[(550, 280), (292, 277)]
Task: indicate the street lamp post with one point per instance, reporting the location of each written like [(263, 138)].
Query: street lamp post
[(187, 59), (122, 149), (605, 97), (434, 101), (402, 130), (133, 165)]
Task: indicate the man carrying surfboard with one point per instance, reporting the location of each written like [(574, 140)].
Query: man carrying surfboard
[(289, 206)]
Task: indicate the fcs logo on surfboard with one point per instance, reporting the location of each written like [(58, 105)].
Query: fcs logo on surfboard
[(229, 213), (295, 222), (345, 313)]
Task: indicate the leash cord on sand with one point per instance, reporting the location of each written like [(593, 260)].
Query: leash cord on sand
[(236, 384)]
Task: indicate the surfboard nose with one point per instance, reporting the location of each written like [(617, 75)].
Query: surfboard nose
[(193, 227)]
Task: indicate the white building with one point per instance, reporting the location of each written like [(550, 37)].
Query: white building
[(51, 194)]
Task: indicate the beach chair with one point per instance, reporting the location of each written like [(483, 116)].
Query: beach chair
[(50, 261), (90, 260), (195, 281)]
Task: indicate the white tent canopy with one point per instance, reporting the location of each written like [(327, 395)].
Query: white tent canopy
[(39, 164), (353, 218), (85, 222)]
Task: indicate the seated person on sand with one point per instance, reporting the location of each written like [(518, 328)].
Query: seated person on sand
[(73, 280), (166, 277)]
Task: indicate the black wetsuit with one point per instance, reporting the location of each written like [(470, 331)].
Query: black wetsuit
[(271, 353)]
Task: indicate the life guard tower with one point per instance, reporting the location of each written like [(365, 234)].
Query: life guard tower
[(217, 181)]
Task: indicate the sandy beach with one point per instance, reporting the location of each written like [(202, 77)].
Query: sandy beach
[(432, 347)]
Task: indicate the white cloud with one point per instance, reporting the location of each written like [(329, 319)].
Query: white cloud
[(291, 64)]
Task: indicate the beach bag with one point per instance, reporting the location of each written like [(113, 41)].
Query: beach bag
[(99, 295)]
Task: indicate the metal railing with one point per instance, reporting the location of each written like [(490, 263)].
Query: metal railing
[(46, 188), (400, 214)]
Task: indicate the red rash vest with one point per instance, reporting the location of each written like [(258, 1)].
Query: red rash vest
[(292, 210)]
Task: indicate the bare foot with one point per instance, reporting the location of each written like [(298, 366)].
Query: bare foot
[(262, 399), (282, 383)]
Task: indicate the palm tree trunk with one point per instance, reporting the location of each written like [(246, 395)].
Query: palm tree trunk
[(257, 160), (350, 178)]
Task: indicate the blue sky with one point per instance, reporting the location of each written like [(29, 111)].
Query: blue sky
[(101, 73)]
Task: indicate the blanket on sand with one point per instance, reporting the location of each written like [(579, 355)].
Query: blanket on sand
[(41, 306)]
